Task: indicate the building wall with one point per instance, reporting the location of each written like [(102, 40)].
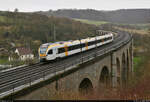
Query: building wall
[(25, 57)]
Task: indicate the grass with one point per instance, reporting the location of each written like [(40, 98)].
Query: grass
[(138, 24), (136, 61), (142, 26), (97, 23), (143, 32), (2, 19), (4, 61), (5, 19)]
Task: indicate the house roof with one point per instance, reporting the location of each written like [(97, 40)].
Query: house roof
[(24, 51), (3, 50)]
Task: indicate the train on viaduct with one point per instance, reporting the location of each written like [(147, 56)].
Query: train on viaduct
[(111, 64)]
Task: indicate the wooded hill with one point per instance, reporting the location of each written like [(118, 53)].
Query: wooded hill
[(131, 16), (31, 29)]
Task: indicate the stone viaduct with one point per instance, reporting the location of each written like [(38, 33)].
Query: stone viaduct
[(113, 69)]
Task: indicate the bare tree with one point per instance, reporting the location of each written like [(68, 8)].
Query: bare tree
[(16, 10)]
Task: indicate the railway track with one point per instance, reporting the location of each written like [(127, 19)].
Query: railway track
[(9, 80)]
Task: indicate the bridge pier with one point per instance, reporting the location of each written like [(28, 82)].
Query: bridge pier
[(114, 69)]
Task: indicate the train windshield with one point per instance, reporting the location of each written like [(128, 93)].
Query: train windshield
[(43, 50)]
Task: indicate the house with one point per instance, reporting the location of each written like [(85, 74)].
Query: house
[(22, 53), (3, 52)]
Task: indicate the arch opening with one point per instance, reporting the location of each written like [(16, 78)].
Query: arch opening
[(128, 67), (118, 71), (104, 79), (86, 87), (124, 69)]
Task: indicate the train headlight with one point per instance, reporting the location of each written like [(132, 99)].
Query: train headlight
[(42, 55)]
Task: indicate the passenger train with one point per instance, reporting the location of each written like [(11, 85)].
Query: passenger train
[(52, 51)]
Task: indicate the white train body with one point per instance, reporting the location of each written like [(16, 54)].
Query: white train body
[(52, 51)]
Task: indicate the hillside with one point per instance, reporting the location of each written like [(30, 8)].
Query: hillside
[(97, 23), (132, 16), (31, 30)]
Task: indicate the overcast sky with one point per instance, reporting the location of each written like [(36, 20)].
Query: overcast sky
[(44, 5)]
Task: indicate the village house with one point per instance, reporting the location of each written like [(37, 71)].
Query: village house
[(22, 53), (3, 52)]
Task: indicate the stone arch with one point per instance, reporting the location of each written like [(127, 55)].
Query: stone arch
[(104, 79), (85, 87), (118, 70), (124, 69)]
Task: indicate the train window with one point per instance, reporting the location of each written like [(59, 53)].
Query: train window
[(92, 43), (70, 48), (76, 46), (73, 47), (98, 41), (50, 52), (43, 50), (89, 43), (109, 38), (83, 45), (61, 50)]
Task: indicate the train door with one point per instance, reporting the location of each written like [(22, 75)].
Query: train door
[(55, 51), (51, 54)]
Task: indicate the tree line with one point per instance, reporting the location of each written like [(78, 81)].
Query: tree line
[(130, 16)]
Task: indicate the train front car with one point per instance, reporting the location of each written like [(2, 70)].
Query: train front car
[(43, 52), (48, 52)]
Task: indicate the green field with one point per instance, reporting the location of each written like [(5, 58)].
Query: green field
[(2, 19), (97, 23), (4, 61), (5, 19), (137, 62), (141, 26)]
